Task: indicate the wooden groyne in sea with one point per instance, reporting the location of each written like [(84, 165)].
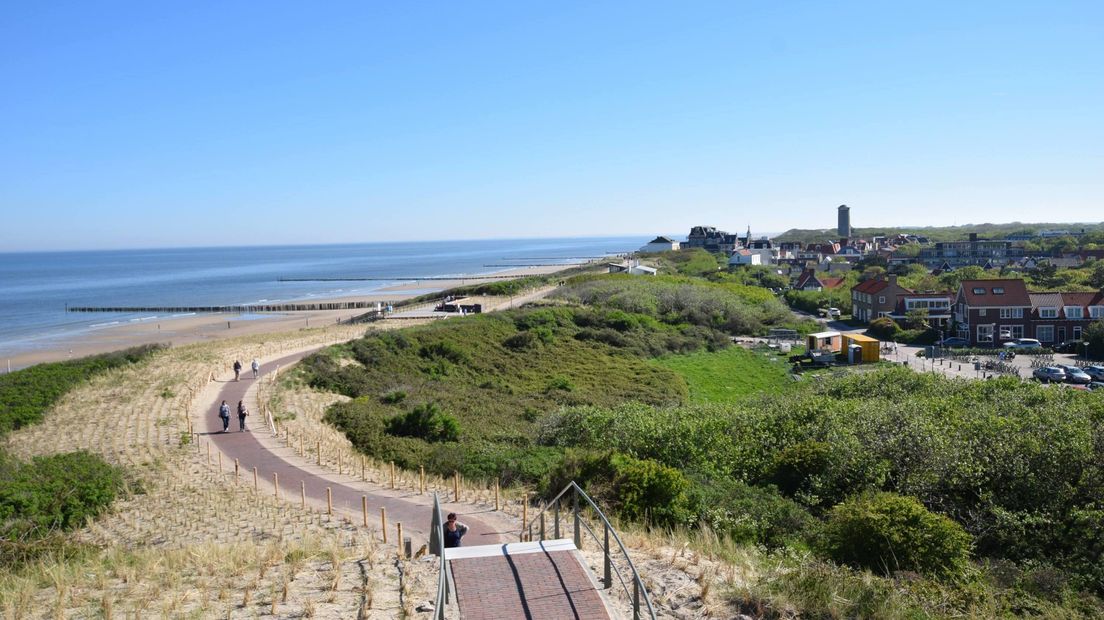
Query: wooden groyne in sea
[(239, 309)]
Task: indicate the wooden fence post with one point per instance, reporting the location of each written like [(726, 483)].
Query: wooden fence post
[(383, 523), (329, 501), (364, 508), (496, 496), (456, 486), (255, 488), (276, 483), (303, 494), (399, 538), (524, 515), (392, 475), (318, 446), (421, 479)]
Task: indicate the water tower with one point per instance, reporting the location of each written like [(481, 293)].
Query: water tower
[(844, 226)]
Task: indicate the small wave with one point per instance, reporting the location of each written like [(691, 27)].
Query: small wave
[(95, 325), (184, 314)]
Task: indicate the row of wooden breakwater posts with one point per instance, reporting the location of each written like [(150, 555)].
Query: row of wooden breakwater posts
[(237, 309)]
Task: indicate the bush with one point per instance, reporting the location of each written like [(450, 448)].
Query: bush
[(521, 341), (750, 515), (426, 421), (632, 488), (886, 532), (882, 328), (796, 464), (57, 492)]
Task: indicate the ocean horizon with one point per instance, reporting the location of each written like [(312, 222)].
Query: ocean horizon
[(37, 287)]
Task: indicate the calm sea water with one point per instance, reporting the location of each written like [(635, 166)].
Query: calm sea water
[(35, 288)]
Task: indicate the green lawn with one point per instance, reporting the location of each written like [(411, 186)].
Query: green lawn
[(729, 375)]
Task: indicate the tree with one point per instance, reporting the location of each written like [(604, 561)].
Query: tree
[(1096, 275), (908, 250), (1094, 339), (917, 319)]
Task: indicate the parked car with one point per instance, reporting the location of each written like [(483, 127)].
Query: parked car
[(834, 313), (1023, 343), (1048, 374), (1096, 385), (1095, 371), (955, 342), (1075, 375), (1069, 346)]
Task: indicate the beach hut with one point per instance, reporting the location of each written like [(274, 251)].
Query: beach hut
[(860, 348), (824, 341)]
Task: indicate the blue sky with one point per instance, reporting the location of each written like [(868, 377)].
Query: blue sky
[(181, 124)]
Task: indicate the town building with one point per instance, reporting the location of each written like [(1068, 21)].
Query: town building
[(843, 221), (988, 311), (876, 297), (661, 244), (987, 253), (712, 240)]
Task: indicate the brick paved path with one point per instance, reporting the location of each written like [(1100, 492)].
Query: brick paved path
[(531, 583), (414, 516)]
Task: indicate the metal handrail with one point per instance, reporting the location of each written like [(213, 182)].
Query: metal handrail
[(437, 546), (639, 591)]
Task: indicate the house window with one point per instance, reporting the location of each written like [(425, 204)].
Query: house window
[(998, 290), (1077, 332), (1017, 331), (1044, 333), (1011, 313), (1096, 312), (1048, 313), (881, 299), (981, 312), (979, 291), (1073, 312), (985, 333)]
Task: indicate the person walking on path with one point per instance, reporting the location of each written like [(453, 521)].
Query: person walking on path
[(242, 412), (454, 531), (224, 413), (237, 369), (256, 367)]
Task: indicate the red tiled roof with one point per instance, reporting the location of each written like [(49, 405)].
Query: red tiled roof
[(984, 293), (1082, 299), (831, 282), (871, 286)]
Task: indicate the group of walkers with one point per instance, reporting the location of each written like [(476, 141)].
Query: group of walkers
[(224, 415), (255, 365)]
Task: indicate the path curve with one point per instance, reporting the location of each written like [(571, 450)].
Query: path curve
[(247, 447)]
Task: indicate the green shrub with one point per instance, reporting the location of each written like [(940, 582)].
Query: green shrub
[(794, 465), (560, 383), (521, 341), (393, 398), (883, 328), (426, 421), (443, 350), (632, 488), (57, 492), (886, 532), (750, 515)]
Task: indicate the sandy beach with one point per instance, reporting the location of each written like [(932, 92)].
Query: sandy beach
[(207, 327)]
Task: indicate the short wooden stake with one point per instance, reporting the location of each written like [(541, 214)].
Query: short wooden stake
[(329, 501), (208, 454), (363, 469), (364, 508), (398, 539), (421, 479), (392, 475), (383, 523), (339, 463), (497, 507), (220, 463), (255, 479), (456, 486), (237, 470), (301, 453), (276, 484), (318, 446), (524, 515)]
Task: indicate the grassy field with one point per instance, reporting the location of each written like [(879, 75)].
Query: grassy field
[(729, 375)]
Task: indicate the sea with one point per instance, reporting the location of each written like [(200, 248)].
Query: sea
[(36, 288)]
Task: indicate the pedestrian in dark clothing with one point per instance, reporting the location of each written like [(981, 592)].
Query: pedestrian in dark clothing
[(224, 413), (454, 531), (237, 369), (241, 416)]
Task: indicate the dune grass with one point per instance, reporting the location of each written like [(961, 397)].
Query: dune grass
[(730, 374)]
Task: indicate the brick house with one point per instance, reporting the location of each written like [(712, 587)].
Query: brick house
[(1058, 317), (876, 297), (989, 311), (937, 305)]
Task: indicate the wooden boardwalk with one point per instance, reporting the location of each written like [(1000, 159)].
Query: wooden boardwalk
[(537, 580)]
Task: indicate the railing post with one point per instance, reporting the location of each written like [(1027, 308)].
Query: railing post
[(556, 519), (575, 513), (636, 597), (542, 525), (607, 577)]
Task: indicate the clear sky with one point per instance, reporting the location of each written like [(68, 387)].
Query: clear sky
[(151, 124)]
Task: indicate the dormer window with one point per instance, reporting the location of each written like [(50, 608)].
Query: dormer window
[(1073, 312), (1048, 313), (979, 291), (998, 290)]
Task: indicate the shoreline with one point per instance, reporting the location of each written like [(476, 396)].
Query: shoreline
[(177, 331)]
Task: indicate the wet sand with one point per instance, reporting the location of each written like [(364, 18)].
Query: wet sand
[(207, 327)]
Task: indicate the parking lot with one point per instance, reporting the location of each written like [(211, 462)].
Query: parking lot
[(954, 368)]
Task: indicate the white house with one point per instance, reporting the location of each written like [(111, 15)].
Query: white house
[(746, 257), (632, 267), (661, 244)]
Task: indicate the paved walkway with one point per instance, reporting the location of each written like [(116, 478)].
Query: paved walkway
[(292, 471), (524, 580)]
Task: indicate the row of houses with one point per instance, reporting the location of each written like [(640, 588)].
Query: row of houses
[(984, 312)]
